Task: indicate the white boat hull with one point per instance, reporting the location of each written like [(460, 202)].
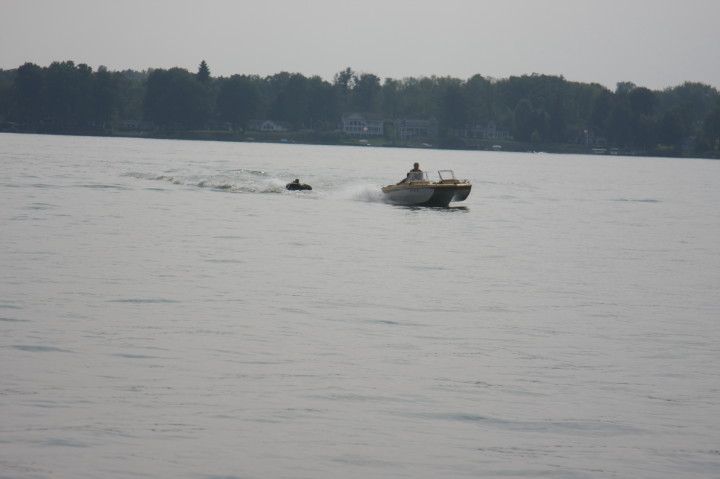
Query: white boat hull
[(426, 195)]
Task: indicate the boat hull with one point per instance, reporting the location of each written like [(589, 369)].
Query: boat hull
[(426, 194)]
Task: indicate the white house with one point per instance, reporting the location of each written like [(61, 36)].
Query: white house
[(408, 128), (269, 125), (362, 124), (489, 130)]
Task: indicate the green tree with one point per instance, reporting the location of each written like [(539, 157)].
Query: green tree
[(524, 120), (344, 82), (238, 100), (29, 95), (7, 81), (455, 114), (672, 128), (619, 124), (105, 92), (131, 86), (479, 100), (69, 94), (601, 107), (289, 98), (203, 74), (642, 101), (624, 87), (418, 98), (632, 121), (711, 127), (345, 79), (175, 98), (391, 98), (645, 132), (557, 118), (323, 106), (366, 93), (694, 100)]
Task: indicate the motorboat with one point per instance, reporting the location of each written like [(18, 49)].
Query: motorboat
[(418, 190)]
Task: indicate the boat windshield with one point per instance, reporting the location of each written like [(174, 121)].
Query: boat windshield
[(446, 175), (416, 176)]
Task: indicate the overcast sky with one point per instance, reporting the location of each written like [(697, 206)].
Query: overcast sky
[(652, 43)]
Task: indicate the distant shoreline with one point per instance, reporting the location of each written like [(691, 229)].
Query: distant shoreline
[(529, 113), (339, 139)]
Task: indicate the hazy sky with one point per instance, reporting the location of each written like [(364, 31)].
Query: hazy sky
[(652, 43)]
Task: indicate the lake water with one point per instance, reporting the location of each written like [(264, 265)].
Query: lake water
[(168, 309)]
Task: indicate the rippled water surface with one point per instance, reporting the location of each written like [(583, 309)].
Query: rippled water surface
[(168, 309)]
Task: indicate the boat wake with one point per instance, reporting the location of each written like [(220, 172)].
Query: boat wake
[(255, 181), (237, 181), (367, 193)]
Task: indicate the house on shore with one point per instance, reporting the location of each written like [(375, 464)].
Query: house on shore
[(362, 124), (133, 125), (486, 131), (268, 125), (409, 128)]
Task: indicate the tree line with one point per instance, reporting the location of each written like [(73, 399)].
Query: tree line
[(538, 109)]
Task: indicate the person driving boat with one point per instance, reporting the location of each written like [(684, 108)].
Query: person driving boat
[(416, 174)]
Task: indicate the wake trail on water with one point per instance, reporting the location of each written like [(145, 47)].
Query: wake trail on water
[(359, 192), (256, 181), (237, 181)]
